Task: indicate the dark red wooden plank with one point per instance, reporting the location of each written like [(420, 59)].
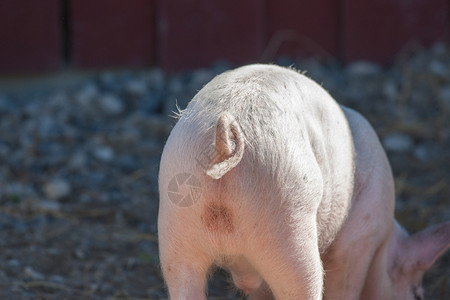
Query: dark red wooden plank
[(30, 36), (302, 28), (109, 33), (195, 33), (378, 29)]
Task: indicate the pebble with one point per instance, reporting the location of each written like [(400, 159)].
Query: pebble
[(438, 68), (427, 152), (136, 88), (397, 142), (57, 189), (86, 95), (104, 153), (56, 279), (390, 90), (363, 68), (155, 78), (111, 105), (32, 274), (13, 263), (78, 161)]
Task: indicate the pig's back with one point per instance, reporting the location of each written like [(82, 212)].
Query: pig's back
[(298, 146)]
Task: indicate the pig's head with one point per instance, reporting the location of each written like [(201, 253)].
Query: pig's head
[(399, 265)]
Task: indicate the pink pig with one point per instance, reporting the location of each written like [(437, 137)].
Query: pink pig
[(266, 175)]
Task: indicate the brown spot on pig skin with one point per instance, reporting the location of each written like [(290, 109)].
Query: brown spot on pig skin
[(218, 218)]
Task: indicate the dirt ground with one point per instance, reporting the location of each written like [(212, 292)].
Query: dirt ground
[(78, 178)]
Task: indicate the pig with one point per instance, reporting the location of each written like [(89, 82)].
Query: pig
[(265, 175)]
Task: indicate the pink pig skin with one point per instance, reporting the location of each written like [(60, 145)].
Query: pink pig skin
[(296, 198)]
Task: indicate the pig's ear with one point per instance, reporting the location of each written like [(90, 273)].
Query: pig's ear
[(424, 247), (229, 146)]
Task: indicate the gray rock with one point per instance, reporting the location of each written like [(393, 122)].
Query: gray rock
[(175, 86), (155, 78), (57, 188), (107, 79), (427, 151), (390, 90), (32, 274), (397, 142), (363, 68), (111, 105), (136, 88), (437, 67), (13, 263), (57, 279), (104, 153), (86, 95), (48, 128), (78, 161)]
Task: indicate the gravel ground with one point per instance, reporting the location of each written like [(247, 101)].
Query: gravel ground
[(78, 170)]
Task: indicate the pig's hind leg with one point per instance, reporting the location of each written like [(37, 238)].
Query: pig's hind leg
[(290, 265), (247, 279), (185, 268), (185, 281)]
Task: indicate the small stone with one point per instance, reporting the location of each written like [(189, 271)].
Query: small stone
[(32, 274), (390, 90), (13, 263), (136, 88), (111, 105), (107, 79), (57, 279), (78, 161), (175, 86), (155, 78), (363, 68), (104, 153), (79, 253), (427, 151), (438, 68), (48, 128), (397, 142), (57, 189), (86, 95), (127, 163)]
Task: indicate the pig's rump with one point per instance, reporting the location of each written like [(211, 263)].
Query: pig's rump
[(271, 194)]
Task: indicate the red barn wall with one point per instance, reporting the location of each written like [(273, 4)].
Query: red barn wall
[(47, 35), (30, 36), (112, 33)]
